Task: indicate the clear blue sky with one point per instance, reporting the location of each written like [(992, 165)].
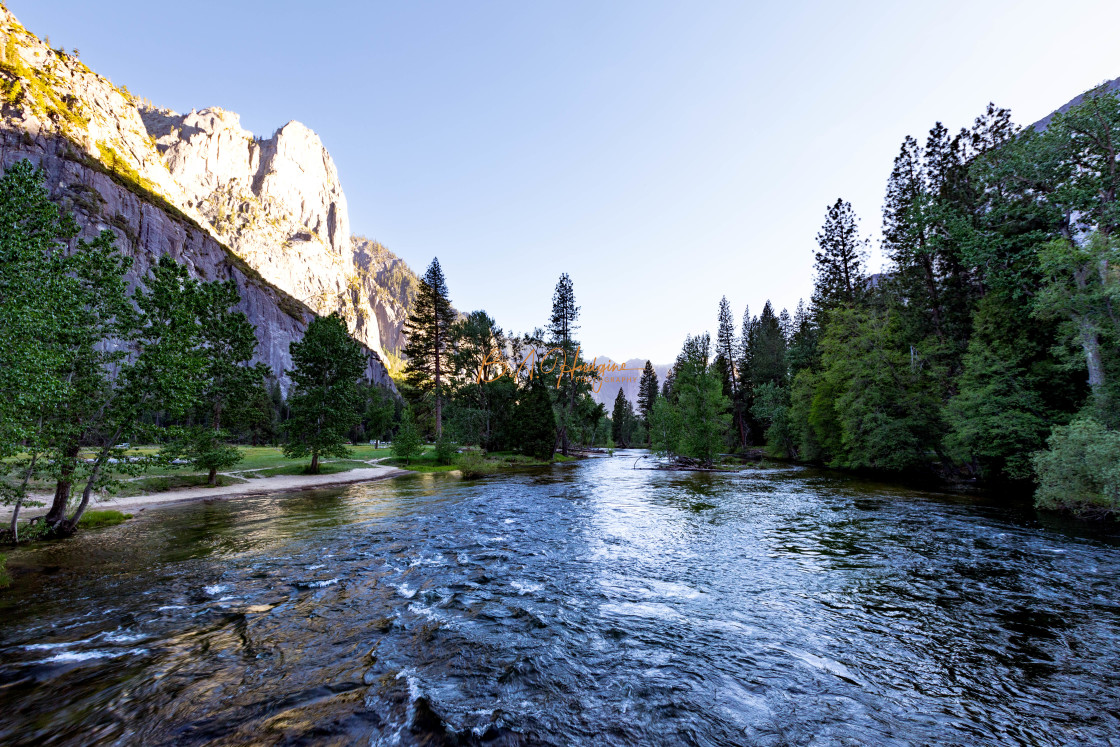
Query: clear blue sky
[(663, 154)]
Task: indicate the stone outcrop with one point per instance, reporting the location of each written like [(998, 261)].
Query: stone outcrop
[(267, 213), (389, 287), (277, 202)]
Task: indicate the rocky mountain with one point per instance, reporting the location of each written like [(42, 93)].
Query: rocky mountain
[(626, 380), (1107, 86), (389, 287), (269, 213)]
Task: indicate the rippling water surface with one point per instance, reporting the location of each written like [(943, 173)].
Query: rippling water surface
[(586, 604)]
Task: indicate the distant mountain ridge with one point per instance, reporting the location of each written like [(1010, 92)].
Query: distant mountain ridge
[(627, 380)]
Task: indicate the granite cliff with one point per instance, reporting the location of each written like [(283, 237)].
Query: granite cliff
[(269, 213)]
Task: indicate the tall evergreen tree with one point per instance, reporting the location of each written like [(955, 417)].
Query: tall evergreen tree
[(703, 417), (727, 361), (429, 339), (840, 257), (802, 350), (622, 420), (562, 326), (768, 350), (647, 393), (326, 400), (536, 421)]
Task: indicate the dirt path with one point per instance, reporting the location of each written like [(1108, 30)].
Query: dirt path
[(256, 486)]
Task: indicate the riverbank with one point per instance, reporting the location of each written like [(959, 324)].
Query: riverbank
[(257, 486)]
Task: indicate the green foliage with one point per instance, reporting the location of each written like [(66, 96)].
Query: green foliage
[(647, 392), (664, 427), (85, 359), (1080, 472), (227, 387), (772, 408), (624, 421), (37, 89), (766, 349), (472, 464), (1081, 286), (102, 518), (484, 394), (840, 259), (445, 450), (536, 421), (380, 411), (5, 579), (696, 423), (875, 405), (997, 418), (802, 427), (430, 339), (325, 398), (406, 443)]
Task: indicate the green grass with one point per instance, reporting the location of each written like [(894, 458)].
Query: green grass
[(302, 467), (5, 579), (421, 464), (261, 457), (163, 483), (97, 519)]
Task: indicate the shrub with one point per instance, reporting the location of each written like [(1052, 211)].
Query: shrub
[(472, 464), (406, 443), (445, 450), (1080, 472)]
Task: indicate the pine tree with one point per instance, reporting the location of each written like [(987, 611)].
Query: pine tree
[(840, 258), (407, 443), (647, 392), (768, 350), (325, 401), (429, 339), (727, 360), (748, 426), (802, 350), (621, 420), (703, 419), (562, 327), (536, 421), (562, 324)]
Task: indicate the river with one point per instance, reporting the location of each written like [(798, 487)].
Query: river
[(590, 603)]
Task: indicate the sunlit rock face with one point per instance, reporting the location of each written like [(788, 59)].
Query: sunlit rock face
[(268, 213), (277, 202)]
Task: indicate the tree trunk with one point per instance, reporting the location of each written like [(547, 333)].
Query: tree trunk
[(439, 398), (69, 525), (63, 487), (314, 469), (15, 520), (20, 496), (1090, 343), (213, 478)]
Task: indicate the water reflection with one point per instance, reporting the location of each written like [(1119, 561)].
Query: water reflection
[(589, 603)]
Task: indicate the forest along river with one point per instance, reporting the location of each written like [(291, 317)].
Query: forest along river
[(589, 603)]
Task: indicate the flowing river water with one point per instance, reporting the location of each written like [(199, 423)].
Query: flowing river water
[(589, 603)]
